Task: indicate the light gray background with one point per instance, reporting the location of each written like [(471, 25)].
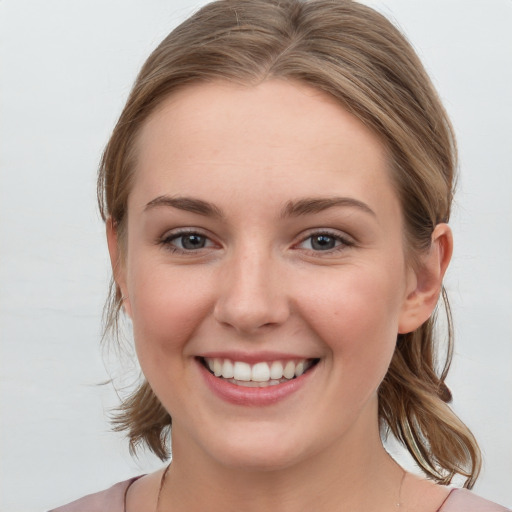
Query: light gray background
[(67, 67)]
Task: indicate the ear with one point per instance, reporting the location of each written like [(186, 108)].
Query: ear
[(118, 266), (426, 281)]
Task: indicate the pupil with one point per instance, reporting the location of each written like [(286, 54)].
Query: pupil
[(322, 242), (193, 242)]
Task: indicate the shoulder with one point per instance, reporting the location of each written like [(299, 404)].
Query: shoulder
[(109, 500), (462, 500)]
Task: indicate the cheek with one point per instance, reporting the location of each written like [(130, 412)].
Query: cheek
[(356, 312), (167, 307)]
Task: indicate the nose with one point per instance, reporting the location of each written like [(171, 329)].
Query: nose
[(251, 293)]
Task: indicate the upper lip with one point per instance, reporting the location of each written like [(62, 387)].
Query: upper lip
[(254, 357)]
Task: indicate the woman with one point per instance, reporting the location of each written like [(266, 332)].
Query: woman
[(276, 194)]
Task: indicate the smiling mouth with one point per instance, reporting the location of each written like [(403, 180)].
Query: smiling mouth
[(261, 374)]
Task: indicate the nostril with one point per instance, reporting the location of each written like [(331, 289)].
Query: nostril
[(250, 295), (250, 316)]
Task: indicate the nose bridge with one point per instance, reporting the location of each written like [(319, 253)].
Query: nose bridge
[(252, 294)]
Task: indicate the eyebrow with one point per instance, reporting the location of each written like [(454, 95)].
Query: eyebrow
[(188, 204), (310, 205), (305, 206)]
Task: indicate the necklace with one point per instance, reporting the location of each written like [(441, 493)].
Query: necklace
[(398, 504), (162, 482)]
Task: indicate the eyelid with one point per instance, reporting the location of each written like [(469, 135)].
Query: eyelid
[(344, 239), (175, 232), (169, 236)]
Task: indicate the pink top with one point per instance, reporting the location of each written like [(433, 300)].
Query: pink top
[(113, 500)]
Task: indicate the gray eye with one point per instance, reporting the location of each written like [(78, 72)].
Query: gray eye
[(191, 241), (322, 242)]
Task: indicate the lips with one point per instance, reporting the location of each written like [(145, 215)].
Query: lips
[(259, 374)]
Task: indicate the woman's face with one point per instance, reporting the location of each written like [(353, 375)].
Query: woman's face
[(264, 239)]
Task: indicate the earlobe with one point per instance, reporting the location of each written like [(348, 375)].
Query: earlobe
[(428, 280), (118, 269)]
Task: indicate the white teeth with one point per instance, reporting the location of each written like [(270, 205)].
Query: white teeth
[(252, 384), (227, 369), (276, 370), (242, 371), (246, 384), (289, 370), (217, 367), (257, 375), (260, 372)]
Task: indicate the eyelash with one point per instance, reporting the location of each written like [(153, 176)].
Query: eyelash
[(167, 240), (343, 242)]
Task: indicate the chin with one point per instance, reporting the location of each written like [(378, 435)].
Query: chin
[(258, 459), (257, 450)]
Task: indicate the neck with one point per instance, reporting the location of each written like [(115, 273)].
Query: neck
[(355, 475)]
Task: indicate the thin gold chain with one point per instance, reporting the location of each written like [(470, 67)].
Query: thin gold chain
[(162, 483), (399, 502)]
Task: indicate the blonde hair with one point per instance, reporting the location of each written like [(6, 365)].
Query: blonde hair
[(356, 55)]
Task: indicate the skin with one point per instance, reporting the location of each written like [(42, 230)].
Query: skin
[(260, 287)]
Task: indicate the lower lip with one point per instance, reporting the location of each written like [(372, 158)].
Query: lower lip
[(242, 395)]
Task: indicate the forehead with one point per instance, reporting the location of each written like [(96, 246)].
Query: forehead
[(209, 138)]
